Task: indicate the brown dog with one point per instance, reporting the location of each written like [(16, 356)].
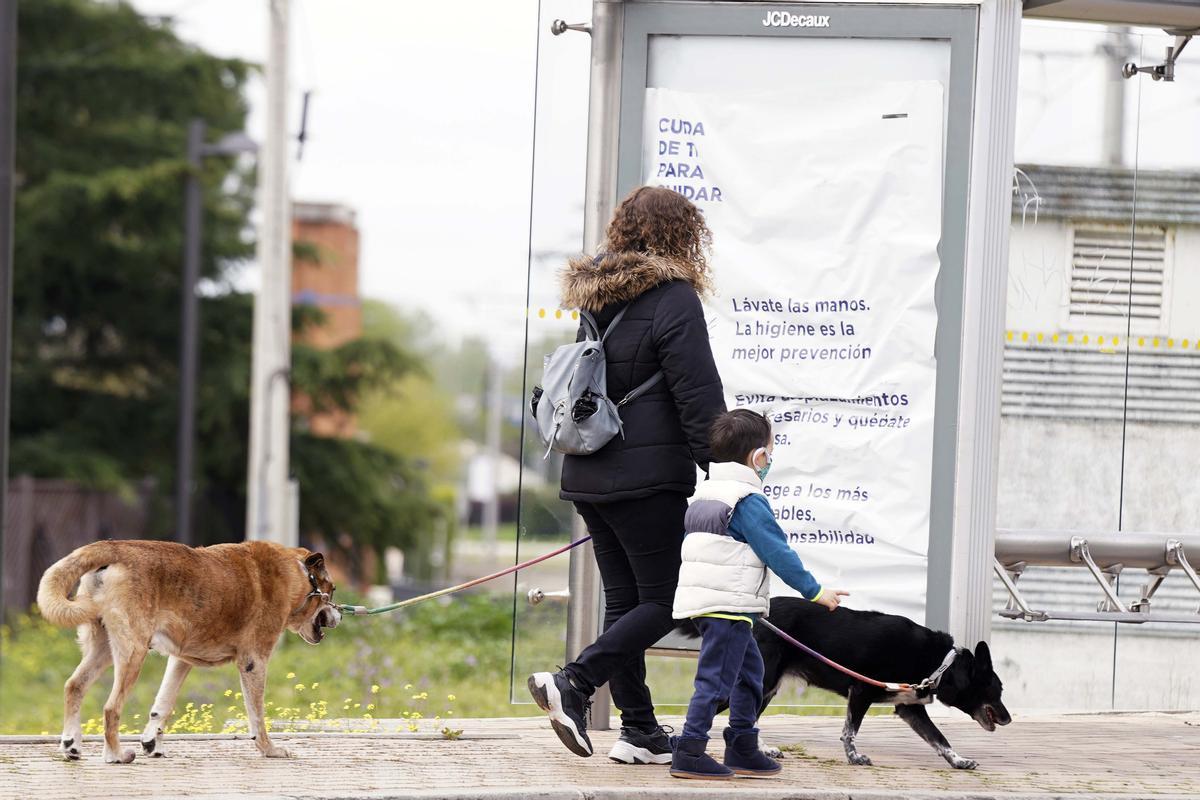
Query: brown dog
[(198, 606)]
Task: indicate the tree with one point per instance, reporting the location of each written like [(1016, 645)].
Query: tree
[(412, 417), (104, 100)]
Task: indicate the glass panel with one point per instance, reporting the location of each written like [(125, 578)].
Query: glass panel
[(1069, 294), (544, 521), (1155, 664)]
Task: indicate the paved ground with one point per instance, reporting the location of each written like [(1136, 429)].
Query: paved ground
[(1118, 755)]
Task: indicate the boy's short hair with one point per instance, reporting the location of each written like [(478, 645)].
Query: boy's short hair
[(736, 434)]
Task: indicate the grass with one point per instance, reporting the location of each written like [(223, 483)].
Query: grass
[(428, 665), (506, 532)]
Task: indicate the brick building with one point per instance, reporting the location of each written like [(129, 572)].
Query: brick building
[(329, 281)]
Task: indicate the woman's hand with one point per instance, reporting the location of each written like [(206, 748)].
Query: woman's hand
[(831, 598)]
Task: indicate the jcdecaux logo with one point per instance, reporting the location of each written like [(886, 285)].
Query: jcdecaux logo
[(784, 19)]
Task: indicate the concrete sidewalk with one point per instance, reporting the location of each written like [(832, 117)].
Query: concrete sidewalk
[(1076, 756)]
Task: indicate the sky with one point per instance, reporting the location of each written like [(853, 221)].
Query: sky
[(422, 120)]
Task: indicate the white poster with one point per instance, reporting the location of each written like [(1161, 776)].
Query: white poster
[(825, 208)]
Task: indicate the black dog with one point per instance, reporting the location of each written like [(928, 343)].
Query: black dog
[(885, 647)]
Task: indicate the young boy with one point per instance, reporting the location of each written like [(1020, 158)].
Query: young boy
[(732, 539)]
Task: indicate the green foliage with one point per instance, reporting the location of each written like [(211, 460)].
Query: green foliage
[(104, 99), (412, 417), (457, 648), (337, 378), (364, 491)]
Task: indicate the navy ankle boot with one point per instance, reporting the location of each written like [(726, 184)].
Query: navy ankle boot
[(690, 761), (743, 756)]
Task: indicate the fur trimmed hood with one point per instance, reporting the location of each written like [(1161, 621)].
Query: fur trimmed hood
[(592, 284)]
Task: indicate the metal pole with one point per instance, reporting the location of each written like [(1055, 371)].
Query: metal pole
[(1116, 50), (600, 194), (8, 135), (267, 476), (188, 339), (963, 509)]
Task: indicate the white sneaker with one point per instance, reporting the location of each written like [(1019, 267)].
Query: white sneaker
[(642, 747)]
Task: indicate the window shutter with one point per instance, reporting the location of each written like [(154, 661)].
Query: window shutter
[(1105, 286)]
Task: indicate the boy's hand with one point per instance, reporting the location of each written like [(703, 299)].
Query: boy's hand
[(830, 598)]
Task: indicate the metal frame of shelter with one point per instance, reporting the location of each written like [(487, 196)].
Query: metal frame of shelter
[(984, 42)]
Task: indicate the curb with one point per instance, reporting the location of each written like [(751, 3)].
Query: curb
[(751, 788), (279, 735)]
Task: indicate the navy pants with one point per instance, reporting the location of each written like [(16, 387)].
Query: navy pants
[(730, 669)]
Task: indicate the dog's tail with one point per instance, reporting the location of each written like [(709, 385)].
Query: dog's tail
[(54, 597)]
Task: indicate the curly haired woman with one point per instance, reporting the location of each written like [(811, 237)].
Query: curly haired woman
[(632, 494)]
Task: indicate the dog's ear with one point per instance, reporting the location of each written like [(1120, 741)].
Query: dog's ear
[(983, 659), (315, 563)]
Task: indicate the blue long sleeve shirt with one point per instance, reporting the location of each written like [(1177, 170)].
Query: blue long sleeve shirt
[(754, 523)]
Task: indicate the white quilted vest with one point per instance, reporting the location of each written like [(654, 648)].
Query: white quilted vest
[(719, 573)]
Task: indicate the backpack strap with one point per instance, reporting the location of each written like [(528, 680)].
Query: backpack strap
[(590, 328), (594, 329), (642, 388), (613, 324)]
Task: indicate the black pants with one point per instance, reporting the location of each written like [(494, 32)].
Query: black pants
[(637, 550)]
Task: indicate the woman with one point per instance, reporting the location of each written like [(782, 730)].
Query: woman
[(632, 494)]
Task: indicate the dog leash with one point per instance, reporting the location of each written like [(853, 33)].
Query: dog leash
[(928, 683), (363, 611)]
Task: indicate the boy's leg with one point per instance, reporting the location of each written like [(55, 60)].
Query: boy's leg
[(722, 648), (742, 752), (746, 698)]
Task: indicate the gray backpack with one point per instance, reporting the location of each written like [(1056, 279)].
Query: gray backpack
[(572, 408)]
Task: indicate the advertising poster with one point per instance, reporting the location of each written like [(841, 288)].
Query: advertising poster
[(825, 208)]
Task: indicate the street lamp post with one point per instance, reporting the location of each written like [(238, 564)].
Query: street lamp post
[(8, 132), (189, 347), (189, 327)]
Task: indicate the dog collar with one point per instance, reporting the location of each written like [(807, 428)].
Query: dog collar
[(931, 683), (316, 590)]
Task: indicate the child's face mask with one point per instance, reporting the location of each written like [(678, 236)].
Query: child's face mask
[(766, 467)]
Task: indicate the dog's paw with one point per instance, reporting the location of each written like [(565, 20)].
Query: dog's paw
[(154, 747), (859, 760), (123, 757), (277, 752), (958, 762), (772, 752), (69, 749)]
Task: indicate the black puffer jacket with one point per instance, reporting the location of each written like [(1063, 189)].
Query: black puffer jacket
[(666, 429)]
